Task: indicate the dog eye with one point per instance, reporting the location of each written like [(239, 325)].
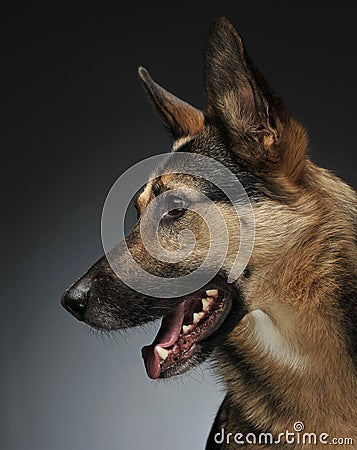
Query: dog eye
[(176, 206)]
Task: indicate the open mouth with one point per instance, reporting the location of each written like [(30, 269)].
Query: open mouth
[(182, 330)]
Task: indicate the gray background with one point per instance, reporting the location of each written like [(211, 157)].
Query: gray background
[(74, 118)]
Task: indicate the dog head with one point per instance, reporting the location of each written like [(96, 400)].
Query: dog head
[(246, 129)]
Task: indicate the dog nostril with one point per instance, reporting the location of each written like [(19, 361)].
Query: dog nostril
[(75, 299)]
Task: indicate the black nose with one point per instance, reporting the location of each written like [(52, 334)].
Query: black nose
[(75, 299)]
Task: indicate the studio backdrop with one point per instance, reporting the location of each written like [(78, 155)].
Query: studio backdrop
[(75, 117)]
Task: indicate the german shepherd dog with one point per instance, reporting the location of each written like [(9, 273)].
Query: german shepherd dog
[(283, 335)]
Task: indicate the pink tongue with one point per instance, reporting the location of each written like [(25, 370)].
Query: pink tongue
[(166, 336)]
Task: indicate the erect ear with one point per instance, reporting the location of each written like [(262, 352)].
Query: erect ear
[(180, 118), (258, 125)]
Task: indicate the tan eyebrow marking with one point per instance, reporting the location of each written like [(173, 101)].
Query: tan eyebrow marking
[(152, 189), (180, 142), (144, 197)]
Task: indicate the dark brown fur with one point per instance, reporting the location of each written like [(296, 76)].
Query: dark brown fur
[(289, 354)]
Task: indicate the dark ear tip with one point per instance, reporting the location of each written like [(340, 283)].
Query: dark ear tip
[(223, 21), (146, 78), (143, 73), (222, 28)]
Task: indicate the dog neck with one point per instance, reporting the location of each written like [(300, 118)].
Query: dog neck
[(291, 357)]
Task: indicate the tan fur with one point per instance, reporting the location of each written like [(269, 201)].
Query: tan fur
[(191, 120), (180, 142), (297, 273), (296, 279), (302, 248), (144, 198), (290, 356), (293, 342), (293, 335)]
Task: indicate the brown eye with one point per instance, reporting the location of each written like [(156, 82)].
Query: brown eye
[(176, 206)]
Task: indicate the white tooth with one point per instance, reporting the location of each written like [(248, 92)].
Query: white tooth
[(185, 328), (206, 302), (197, 316), (212, 293), (163, 353)]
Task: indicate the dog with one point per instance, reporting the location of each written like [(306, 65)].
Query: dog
[(283, 335)]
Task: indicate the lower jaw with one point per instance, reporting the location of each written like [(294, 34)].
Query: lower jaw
[(194, 358), (202, 348)]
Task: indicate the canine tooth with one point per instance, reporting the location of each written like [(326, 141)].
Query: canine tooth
[(185, 328), (197, 317), (206, 302), (163, 353), (212, 292)]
